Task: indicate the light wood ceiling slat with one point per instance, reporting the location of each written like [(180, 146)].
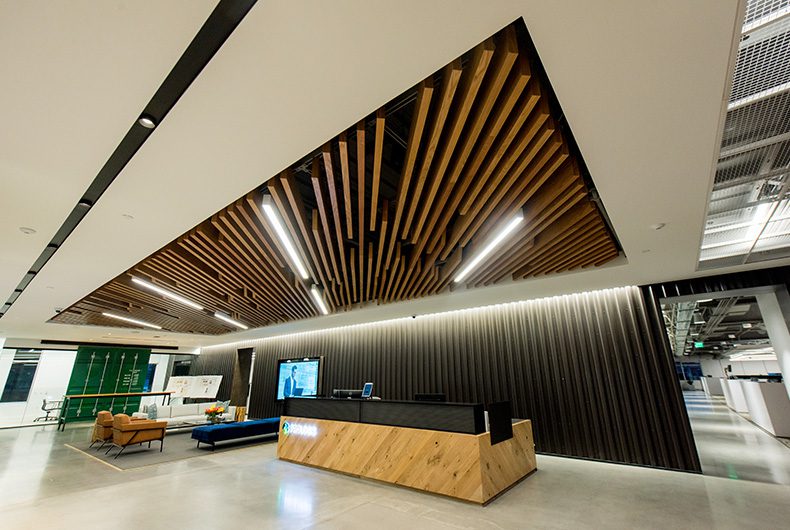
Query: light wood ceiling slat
[(451, 161)]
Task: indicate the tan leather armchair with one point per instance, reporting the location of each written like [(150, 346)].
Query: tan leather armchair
[(126, 432), (102, 429)]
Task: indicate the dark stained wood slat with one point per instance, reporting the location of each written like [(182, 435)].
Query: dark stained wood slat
[(424, 95), (346, 175), (471, 81), (382, 240), (326, 153), (539, 153), (291, 190), (353, 264), (512, 94), (515, 140), (450, 78), (291, 221), (378, 153), (361, 201), (322, 213)]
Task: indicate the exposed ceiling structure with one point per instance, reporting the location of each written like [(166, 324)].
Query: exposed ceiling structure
[(723, 327), (749, 211), (79, 77), (391, 209)]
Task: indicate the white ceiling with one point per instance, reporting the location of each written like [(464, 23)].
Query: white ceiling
[(643, 85)]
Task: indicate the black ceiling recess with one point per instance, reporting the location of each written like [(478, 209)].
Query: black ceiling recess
[(211, 36)]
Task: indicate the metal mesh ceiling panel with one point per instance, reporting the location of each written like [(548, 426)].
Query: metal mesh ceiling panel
[(747, 212)]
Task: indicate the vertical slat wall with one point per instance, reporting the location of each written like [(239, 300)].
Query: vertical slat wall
[(586, 368), (218, 363)]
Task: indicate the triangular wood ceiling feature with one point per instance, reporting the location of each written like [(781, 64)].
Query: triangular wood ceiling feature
[(390, 209)]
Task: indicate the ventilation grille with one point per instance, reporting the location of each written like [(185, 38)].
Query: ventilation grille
[(748, 214)]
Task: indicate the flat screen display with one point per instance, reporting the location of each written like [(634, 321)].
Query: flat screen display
[(299, 377), (367, 390)]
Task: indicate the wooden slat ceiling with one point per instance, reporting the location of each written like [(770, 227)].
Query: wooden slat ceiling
[(390, 209)]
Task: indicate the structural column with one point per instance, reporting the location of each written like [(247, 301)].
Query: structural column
[(775, 309)]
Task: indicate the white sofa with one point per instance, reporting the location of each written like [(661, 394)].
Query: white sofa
[(177, 414)]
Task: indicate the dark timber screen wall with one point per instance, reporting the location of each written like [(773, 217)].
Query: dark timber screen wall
[(589, 369), (217, 363)]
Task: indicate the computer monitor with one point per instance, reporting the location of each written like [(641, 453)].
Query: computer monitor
[(367, 390), (341, 393)]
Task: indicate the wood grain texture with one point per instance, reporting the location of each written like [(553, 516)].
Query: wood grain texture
[(390, 208), (463, 466)]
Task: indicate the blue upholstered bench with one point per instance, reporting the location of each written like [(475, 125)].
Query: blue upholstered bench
[(211, 434)]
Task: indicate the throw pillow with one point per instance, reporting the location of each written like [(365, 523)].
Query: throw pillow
[(152, 411), (224, 405)]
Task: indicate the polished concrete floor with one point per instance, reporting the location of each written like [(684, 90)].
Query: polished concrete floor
[(46, 484), (731, 446)]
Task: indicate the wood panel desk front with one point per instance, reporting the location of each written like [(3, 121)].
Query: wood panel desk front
[(463, 466)]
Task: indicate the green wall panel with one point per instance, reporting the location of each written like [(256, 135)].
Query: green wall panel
[(102, 370)]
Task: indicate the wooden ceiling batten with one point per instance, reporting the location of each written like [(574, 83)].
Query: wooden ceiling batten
[(390, 209)]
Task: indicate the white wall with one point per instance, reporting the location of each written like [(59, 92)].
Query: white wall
[(161, 361), (772, 306), (715, 368), (712, 367), (6, 358), (51, 380)]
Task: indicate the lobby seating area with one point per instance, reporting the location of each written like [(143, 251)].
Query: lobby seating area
[(126, 432), (176, 416)]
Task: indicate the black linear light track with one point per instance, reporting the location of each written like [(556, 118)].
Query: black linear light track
[(208, 40)]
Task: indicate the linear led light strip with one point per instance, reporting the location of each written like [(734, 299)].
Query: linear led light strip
[(319, 299), (132, 321), (229, 320), (167, 294), (489, 248), (285, 239)]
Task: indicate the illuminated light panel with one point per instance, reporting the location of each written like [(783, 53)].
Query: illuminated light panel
[(167, 294), (319, 299), (489, 248), (229, 320), (132, 321), (285, 239), (309, 430)]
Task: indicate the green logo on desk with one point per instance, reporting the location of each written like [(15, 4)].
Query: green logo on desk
[(286, 428)]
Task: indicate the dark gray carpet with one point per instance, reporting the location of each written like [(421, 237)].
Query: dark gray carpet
[(178, 446)]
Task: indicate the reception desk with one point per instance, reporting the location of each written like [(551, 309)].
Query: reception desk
[(391, 441)]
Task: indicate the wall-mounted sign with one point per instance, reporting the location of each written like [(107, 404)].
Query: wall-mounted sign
[(699, 344), (309, 430)]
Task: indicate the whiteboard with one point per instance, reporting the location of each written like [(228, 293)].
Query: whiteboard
[(205, 386), (179, 385), (197, 386)]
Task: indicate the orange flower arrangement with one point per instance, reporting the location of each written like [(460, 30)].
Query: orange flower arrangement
[(213, 413)]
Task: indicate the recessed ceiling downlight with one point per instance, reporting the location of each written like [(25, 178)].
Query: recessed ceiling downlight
[(132, 321), (147, 121), (27, 230)]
